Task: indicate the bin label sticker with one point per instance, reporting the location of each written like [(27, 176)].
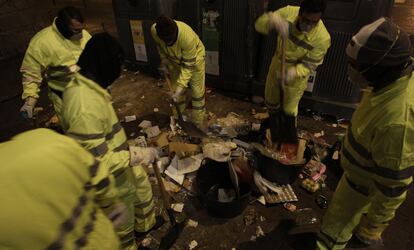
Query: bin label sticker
[(138, 40)]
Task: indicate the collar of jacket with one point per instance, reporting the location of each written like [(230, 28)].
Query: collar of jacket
[(93, 85), (391, 91), (55, 29)]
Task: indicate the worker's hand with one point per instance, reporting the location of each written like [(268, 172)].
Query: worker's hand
[(164, 67), (142, 156), (279, 24), (28, 107), (291, 75), (118, 214), (177, 93)]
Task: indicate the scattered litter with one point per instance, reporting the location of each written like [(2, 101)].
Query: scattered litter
[(193, 244), (152, 131), (272, 192), (314, 170), (143, 97), (322, 202), (253, 238), (262, 218), (261, 116), (183, 149), (136, 72), (132, 134), (145, 124), (177, 207), (335, 155), (250, 217), (192, 223), (190, 164), (146, 242), (128, 104), (290, 207), (140, 141), (171, 187), (162, 140), (259, 232), (226, 195), (130, 118), (310, 185), (219, 151), (37, 110), (253, 111), (334, 125), (262, 200), (156, 110), (235, 122), (256, 126), (172, 171)]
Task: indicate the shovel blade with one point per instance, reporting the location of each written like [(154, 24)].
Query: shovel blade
[(169, 239)]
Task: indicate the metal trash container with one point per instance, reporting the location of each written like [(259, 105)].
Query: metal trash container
[(329, 91), (133, 20)]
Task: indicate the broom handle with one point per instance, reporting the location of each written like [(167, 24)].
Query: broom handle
[(161, 185), (180, 115)]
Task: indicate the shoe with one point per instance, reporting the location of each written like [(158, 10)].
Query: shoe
[(159, 221)]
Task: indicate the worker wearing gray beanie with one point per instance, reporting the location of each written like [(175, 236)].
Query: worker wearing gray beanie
[(378, 151)]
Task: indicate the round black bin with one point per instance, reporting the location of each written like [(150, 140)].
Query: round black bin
[(213, 176), (276, 172)]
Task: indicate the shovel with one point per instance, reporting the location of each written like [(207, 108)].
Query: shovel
[(176, 228), (284, 126), (190, 128)]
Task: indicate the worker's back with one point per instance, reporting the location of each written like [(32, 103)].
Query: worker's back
[(46, 195)]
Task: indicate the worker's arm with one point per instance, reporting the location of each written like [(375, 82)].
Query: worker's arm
[(264, 23), (188, 60), (314, 57), (392, 152), (33, 65), (157, 42), (87, 126)]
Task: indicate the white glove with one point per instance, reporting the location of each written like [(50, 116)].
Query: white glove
[(142, 156), (177, 93), (279, 24), (291, 74), (28, 107), (118, 215), (163, 68)]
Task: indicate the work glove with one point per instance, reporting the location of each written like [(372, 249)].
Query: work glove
[(28, 107), (279, 24), (177, 93), (142, 156), (370, 233), (118, 214), (291, 75), (164, 69)]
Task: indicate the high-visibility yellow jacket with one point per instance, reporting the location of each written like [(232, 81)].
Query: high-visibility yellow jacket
[(304, 50), (186, 53), (49, 186), (378, 151), (50, 57), (89, 117)]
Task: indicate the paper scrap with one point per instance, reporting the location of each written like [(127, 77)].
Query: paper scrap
[(156, 110), (190, 164), (130, 118), (152, 131), (145, 124), (192, 223), (335, 155), (172, 171), (226, 195), (261, 116), (177, 207), (140, 141), (259, 232), (334, 125), (193, 244), (262, 200)]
